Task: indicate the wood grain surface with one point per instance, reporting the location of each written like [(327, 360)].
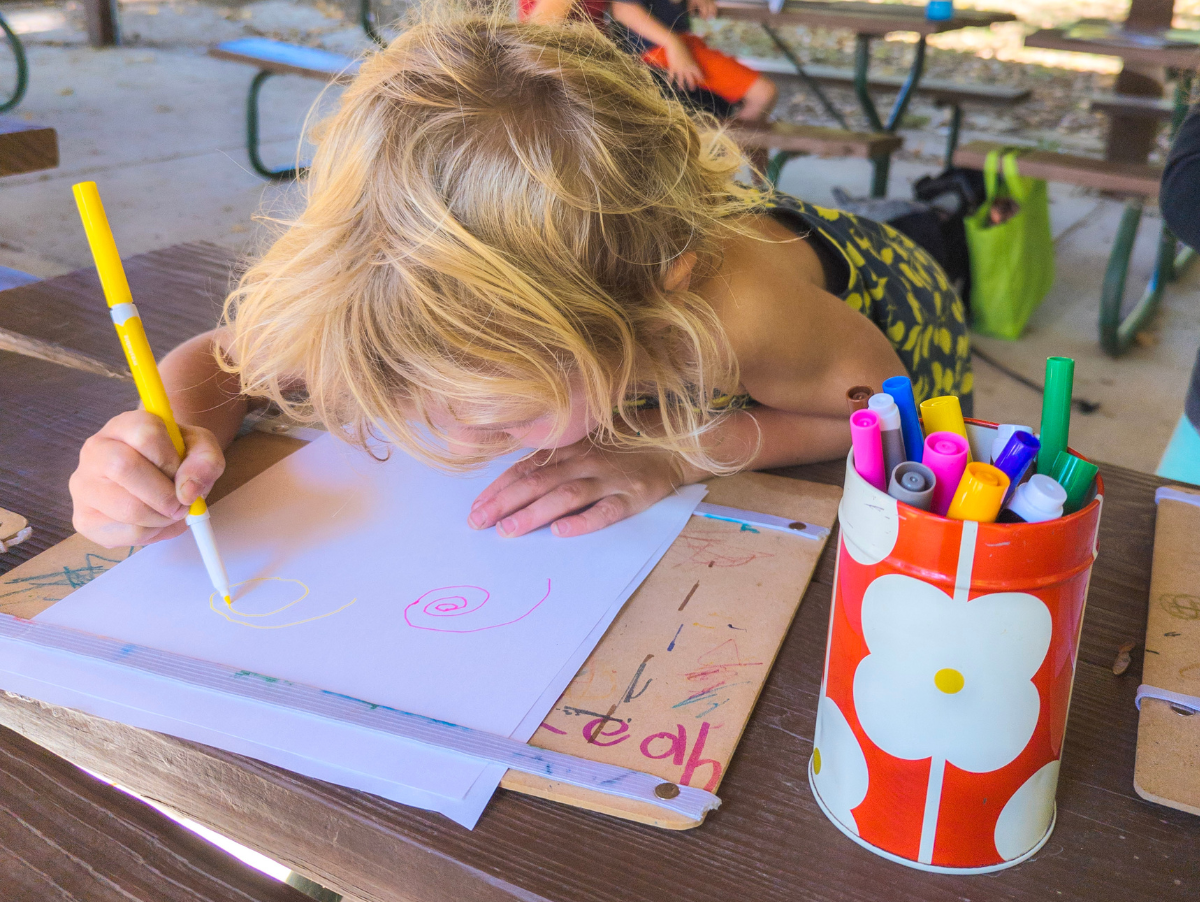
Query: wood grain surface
[(26, 147), (767, 842), (65, 835)]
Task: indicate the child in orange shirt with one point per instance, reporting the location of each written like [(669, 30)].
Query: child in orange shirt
[(662, 31)]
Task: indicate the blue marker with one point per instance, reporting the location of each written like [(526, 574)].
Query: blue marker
[(900, 388), (1018, 455)]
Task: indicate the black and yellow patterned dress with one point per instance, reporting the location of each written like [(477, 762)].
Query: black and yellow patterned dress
[(886, 277), (897, 284)]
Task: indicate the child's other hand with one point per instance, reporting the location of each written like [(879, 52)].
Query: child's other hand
[(705, 9), (578, 489), (682, 66), (130, 487)]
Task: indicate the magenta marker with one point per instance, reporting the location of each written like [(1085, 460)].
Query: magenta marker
[(946, 455), (868, 448)]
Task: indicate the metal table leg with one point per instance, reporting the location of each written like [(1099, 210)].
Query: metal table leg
[(22, 68), (1116, 332), (808, 80), (862, 65), (252, 137)]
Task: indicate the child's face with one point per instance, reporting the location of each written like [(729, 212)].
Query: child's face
[(534, 433)]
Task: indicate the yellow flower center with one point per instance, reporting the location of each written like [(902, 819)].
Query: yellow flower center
[(948, 680), (816, 761)]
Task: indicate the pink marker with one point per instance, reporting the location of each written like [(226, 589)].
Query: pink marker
[(946, 455), (868, 448)]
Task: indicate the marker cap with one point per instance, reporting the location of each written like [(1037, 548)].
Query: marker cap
[(868, 447), (913, 483), (1075, 475), (1014, 461), (945, 455), (1038, 500), (858, 396), (1056, 411), (901, 390), (885, 406), (979, 494), (1003, 433), (944, 414)]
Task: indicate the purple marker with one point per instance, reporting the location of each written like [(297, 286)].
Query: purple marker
[(1016, 458)]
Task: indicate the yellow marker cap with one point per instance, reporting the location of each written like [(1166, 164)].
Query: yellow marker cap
[(979, 494), (944, 414)]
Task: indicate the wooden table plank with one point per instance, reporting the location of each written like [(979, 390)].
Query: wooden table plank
[(861, 18), (26, 146), (768, 842), (178, 292), (1130, 51), (66, 835), (48, 412)]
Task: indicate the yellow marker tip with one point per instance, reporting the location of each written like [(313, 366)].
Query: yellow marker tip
[(228, 602)]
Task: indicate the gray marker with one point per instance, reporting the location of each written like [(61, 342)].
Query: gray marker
[(890, 434), (913, 484)]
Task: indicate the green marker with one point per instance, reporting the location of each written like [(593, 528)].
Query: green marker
[(1076, 475), (1056, 411)]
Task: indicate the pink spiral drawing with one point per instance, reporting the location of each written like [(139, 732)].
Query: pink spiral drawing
[(437, 609)]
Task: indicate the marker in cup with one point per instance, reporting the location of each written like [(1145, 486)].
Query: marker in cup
[(889, 430), (868, 448), (946, 456), (901, 390)]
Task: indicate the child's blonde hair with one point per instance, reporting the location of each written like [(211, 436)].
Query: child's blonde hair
[(492, 211)]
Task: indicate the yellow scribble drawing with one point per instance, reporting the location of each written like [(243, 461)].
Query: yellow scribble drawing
[(233, 615)]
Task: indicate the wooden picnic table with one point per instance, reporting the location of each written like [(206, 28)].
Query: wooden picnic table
[(868, 21), (769, 841)]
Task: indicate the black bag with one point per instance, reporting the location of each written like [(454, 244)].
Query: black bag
[(951, 197)]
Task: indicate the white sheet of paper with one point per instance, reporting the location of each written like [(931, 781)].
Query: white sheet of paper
[(363, 578)]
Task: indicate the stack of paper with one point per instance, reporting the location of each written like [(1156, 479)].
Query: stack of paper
[(362, 578)]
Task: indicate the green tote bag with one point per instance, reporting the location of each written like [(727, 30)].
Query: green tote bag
[(1012, 262)]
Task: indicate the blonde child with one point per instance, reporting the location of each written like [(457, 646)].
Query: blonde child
[(513, 240)]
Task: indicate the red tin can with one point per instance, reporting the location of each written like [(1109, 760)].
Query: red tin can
[(948, 674)]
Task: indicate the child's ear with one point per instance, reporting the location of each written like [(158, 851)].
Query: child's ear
[(679, 275)]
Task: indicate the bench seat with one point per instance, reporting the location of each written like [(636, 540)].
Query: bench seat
[(1140, 179), (280, 58), (1131, 105), (26, 146), (816, 140)]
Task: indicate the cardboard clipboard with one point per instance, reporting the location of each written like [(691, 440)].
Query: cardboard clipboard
[(1167, 768)]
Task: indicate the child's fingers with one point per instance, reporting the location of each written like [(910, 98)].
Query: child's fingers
[(117, 464), (123, 506), (144, 433), (515, 473), (563, 500), (202, 466), (605, 512), (104, 531), (521, 493)]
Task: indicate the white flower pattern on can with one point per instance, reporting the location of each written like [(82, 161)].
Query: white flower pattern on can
[(950, 679), (1026, 817), (839, 767)]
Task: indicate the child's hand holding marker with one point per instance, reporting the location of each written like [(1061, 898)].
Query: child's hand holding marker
[(947, 482), (131, 488)]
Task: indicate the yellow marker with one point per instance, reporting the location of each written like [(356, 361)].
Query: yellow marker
[(979, 494), (141, 361), (944, 414)]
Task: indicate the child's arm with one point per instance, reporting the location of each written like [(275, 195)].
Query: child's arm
[(680, 63), (546, 11), (131, 488)]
